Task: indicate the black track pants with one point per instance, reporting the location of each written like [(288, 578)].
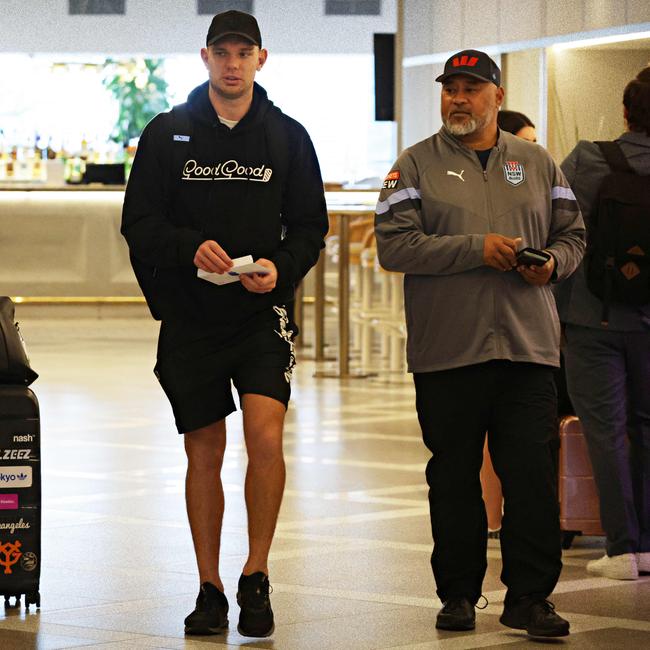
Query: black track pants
[(516, 404)]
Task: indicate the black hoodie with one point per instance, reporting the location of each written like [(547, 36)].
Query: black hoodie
[(231, 186)]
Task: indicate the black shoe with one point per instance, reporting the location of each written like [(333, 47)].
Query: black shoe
[(535, 615), (210, 615), (255, 615), (456, 614)]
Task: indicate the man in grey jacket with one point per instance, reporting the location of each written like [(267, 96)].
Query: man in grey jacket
[(483, 338)]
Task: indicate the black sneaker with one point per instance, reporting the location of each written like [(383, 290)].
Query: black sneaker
[(255, 615), (210, 615), (456, 614), (535, 615)]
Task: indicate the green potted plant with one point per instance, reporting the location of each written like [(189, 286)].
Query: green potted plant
[(141, 91)]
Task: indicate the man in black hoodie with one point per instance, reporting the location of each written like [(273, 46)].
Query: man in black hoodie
[(224, 176)]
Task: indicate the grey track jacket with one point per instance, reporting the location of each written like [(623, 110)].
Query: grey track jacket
[(431, 219)]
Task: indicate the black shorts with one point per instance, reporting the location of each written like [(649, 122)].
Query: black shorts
[(195, 369)]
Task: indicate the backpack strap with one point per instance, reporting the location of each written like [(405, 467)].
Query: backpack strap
[(279, 143), (182, 132), (617, 162), (614, 156)]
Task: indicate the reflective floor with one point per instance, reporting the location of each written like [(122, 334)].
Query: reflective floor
[(350, 562)]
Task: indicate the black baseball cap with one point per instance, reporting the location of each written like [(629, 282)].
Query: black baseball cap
[(234, 23), (473, 63)]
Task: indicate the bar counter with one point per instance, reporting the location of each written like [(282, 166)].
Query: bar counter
[(45, 187), (63, 241)]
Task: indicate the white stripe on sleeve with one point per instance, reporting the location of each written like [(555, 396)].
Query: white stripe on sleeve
[(559, 192), (396, 197)]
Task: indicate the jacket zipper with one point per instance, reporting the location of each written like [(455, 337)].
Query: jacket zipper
[(497, 335)]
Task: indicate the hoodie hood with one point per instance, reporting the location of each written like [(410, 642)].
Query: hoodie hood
[(637, 151), (201, 109)]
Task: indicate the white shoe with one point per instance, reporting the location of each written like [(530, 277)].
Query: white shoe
[(643, 562), (617, 567)]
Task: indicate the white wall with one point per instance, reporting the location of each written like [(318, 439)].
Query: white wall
[(434, 29), (172, 26), (522, 72), (601, 75), (457, 24)]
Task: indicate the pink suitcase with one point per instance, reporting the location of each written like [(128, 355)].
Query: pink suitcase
[(579, 507)]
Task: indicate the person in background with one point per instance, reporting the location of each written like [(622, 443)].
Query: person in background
[(224, 176), (608, 367), (521, 126), (518, 124), (483, 338)]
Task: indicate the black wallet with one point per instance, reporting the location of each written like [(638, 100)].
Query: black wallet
[(532, 257)]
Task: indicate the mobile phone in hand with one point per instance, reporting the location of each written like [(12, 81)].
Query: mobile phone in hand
[(532, 257)]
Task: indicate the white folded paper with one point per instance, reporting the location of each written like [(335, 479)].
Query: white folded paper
[(240, 265)]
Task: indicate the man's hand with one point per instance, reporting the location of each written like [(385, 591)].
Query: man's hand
[(537, 275), (260, 282), (500, 252), (211, 257)]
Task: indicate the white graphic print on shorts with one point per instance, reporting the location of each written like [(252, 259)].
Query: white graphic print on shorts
[(287, 335)]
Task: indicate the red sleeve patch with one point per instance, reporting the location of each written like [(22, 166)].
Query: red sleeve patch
[(391, 180)]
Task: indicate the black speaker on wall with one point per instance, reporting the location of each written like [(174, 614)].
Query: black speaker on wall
[(384, 50)]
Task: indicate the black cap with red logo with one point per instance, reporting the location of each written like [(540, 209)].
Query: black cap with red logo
[(473, 63)]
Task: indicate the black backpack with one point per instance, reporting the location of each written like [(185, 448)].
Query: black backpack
[(617, 261)]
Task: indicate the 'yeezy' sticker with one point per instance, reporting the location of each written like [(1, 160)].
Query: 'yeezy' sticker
[(514, 172), (391, 180)]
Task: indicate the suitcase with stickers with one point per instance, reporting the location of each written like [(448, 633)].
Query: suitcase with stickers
[(20, 496)]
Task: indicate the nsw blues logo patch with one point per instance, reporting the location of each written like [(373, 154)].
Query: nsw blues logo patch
[(514, 172)]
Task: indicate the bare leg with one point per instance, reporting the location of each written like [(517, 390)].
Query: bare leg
[(263, 423), (492, 495), (205, 449)]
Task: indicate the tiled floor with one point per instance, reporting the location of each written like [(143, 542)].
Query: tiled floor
[(350, 562)]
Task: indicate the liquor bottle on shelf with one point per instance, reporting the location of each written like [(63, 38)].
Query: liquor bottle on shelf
[(50, 153), (39, 146), (84, 153), (23, 166), (74, 170), (39, 170)]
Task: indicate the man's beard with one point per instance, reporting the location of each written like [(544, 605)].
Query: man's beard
[(469, 126), (462, 128)]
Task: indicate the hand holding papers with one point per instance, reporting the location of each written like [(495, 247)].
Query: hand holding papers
[(240, 266)]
